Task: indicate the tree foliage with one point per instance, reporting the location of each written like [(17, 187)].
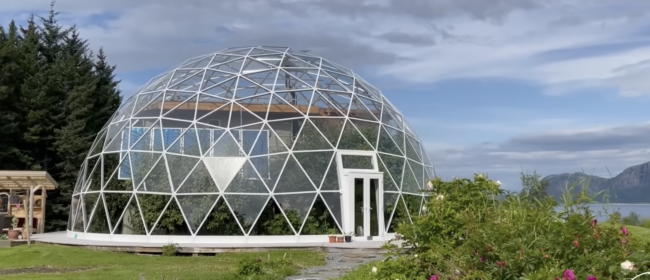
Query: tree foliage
[(55, 96)]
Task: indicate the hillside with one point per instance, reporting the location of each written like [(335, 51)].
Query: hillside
[(630, 186)]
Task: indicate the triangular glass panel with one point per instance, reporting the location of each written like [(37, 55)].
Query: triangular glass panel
[(291, 61), (330, 127), (141, 164), (277, 141), (397, 136), (400, 215), (143, 100), (152, 206), (293, 179), (418, 172), (390, 203), (170, 139), (370, 130), (171, 222), (187, 144), (413, 204), (298, 98), (95, 178), (373, 107), (362, 89), (346, 81), (312, 61), (124, 213), (389, 184), (290, 79), (182, 79), (241, 116), (388, 118), (158, 83), (255, 142), (253, 65), (182, 111), (329, 83), (409, 183), (320, 106), (269, 59), (245, 180), (120, 177), (239, 50), (213, 78), (220, 221), (331, 181), (179, 168), (140, 135), (266, 79), (341, 101), (315, 164), (199, 180), (225, 89), (222, 58), (78, 224), (411, 153), (276, 164), (223, 170), (272, 221), (246, 208), (90, 167), (359, 111), (281, 106), (225, 146), (152, 109), (205, 134), (430, 173), (114, 137), (217, 117), (416, 148), (157, 180), (310, 138), (351, 139), (296, 207), (247, 88), (198, 63), (98, 222), (98, 146), (386, 143), (395, 167), (157, 137), (90, 201), (333, 201), (231, 66), (195, 208)]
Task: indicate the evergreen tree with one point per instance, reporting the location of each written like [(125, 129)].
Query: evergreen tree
[(10, 81)]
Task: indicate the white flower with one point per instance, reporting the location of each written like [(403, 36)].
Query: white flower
[(424, 208), (429, 185), (457, 272), (480, 175), (416, 255), (374, 270), (440, 197), (498, 183), (627, 265)]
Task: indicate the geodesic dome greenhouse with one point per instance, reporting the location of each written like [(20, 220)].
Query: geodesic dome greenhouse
[(251, 145)]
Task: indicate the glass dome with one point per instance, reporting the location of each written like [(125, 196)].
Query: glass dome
[(246, 142)]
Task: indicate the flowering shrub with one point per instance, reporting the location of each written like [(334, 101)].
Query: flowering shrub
[(471, 229)]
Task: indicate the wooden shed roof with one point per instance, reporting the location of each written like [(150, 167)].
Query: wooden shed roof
[(23, 180)]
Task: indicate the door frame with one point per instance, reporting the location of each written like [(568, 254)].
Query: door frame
[(347, 202)]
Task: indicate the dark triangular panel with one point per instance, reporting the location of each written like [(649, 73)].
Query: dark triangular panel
[(195, 208), (246, 208)]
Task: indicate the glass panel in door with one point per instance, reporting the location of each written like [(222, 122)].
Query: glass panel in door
[(357, 205), (374, 200)]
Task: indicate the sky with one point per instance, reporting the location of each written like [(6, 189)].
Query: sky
[(496, 87)]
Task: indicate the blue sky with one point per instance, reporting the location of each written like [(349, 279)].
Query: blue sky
[(548, 85)]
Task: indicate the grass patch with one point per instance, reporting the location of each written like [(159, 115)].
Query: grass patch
[(54, 262)]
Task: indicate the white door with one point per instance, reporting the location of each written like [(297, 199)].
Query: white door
[(363, 195)]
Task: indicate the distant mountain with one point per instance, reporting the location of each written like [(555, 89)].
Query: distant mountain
[(630, 186)]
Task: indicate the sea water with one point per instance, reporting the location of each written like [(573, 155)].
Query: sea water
[(602, 211)]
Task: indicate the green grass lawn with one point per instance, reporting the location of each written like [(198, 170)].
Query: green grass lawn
[(107, 265), (641, 232)]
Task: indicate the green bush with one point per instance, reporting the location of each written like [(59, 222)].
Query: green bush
[(471, 229)]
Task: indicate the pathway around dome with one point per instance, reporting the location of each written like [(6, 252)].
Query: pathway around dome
[(338, 264), (60, 238)]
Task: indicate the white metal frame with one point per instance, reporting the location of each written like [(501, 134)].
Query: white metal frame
[(330, 80)]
